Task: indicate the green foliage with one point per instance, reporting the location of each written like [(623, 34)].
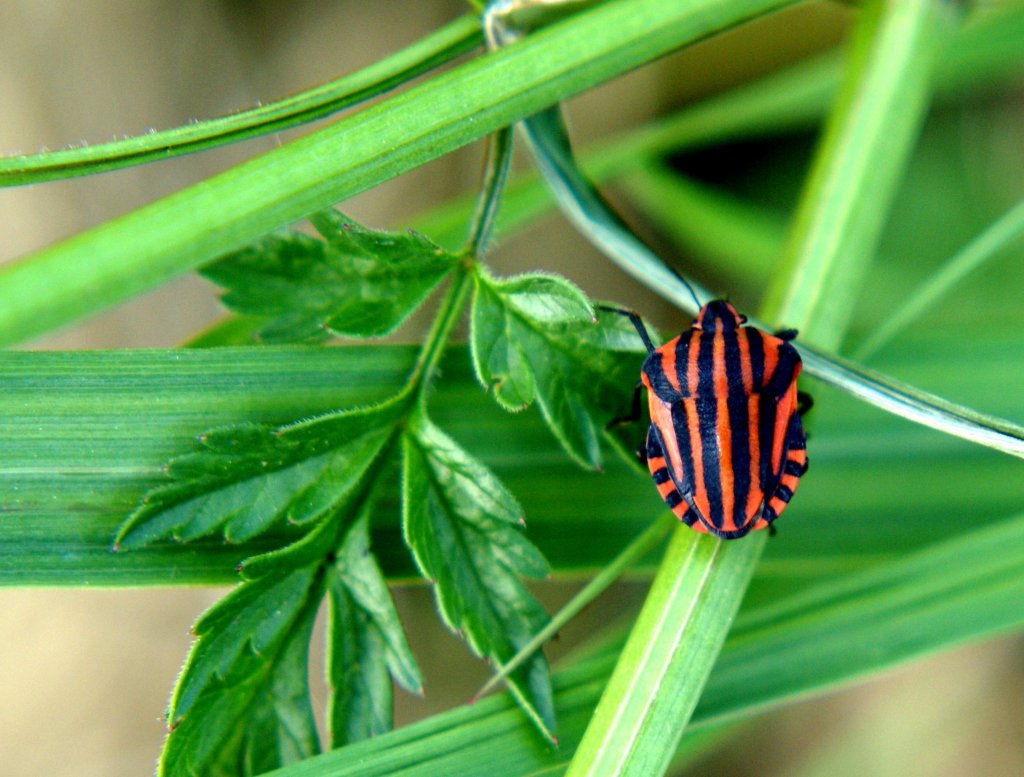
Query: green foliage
[(534, 337), (463, 527), (319, 475), (300, 473), (354, 282), (243, 697), (367, 646), (245, 479)]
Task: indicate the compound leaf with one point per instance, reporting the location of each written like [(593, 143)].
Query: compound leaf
[(244, 479), (464, 530), (535, 337), (356, 281), (242, 704), (366, 644)]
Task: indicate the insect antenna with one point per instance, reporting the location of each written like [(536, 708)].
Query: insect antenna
[(685, 283)]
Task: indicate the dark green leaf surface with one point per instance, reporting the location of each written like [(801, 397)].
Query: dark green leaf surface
[(245, 479), (243, 696), (366, 644), (534, 337), (67, 486), (806, 641), (463, 527), (356, 281)]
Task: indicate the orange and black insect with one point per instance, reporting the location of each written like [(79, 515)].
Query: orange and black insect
[(726, 446)]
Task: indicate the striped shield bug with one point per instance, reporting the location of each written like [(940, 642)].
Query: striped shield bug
[(726, 446)]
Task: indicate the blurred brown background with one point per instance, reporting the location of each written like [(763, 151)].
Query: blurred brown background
[(84, 675)]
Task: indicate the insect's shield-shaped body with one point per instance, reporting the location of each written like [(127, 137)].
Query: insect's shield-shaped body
[(726, 446)]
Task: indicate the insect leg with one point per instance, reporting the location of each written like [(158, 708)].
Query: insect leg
[(634, 319), (634, 412), (804, 402)]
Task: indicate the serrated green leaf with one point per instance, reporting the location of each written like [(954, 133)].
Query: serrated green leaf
[(544, 298), (245, 479), (366, 644), (279, 725), (356, 281), (462, 527), (535, 337), (242, 703)]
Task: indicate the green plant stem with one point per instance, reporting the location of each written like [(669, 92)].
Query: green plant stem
[(881, 105), (633, 552), (148, 247), (641, 703), (436, 49), (452, 304), (499, 153)]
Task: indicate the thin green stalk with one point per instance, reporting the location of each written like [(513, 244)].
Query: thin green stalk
[(436, 49), (684, 609), (633, 552), (984, 247), (499, 154), (448, 313), (882, 105), (143, 249)]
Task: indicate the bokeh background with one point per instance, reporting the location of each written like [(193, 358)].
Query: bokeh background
[(85, 674)]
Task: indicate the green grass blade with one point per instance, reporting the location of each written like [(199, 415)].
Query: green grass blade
[(147, 247), (881, 107), (847, 627), (662, 669), (914, 404), (444, 45), (802, 643), (985, 246), (740, 241), (77, 457), (636, 550)]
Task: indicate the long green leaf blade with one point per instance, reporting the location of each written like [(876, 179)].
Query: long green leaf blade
[(439, 47), (881, 107), (661, 672), (75, 459), (143, 249), (838, 632)]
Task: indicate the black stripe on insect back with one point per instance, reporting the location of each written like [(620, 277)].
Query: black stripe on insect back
[(661, 476), (686, 484), (755, 346), (672, 498), (682, 364), (785, 371), (766, 433), (739, 433), (792, 468), (707, 423), (655, 372)]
